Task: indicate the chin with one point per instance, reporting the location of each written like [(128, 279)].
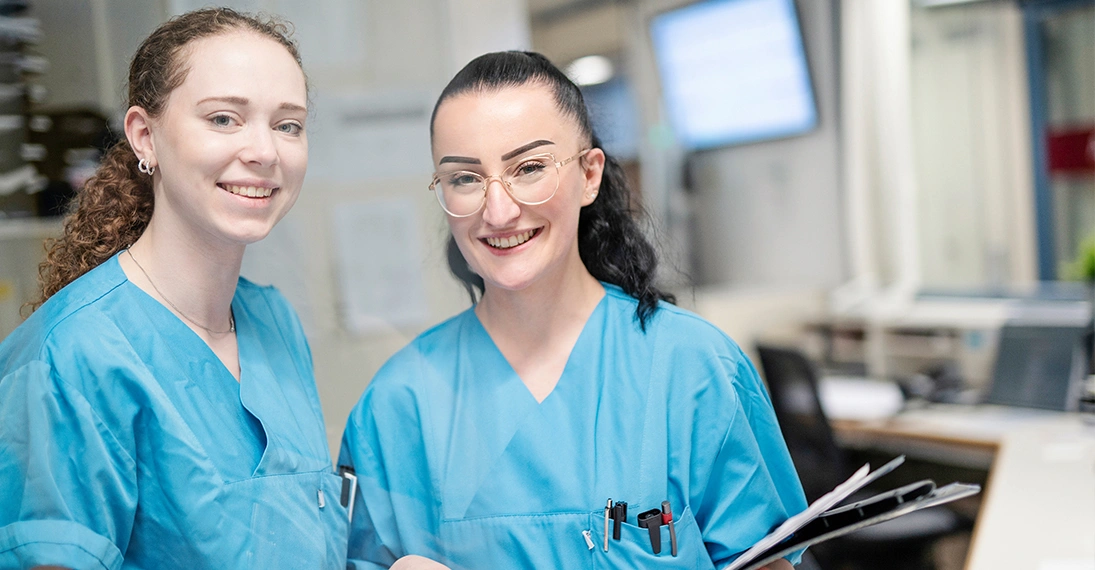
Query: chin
[(249, 234), (509, 282)]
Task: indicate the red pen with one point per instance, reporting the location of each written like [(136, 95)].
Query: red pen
[(667, 518)]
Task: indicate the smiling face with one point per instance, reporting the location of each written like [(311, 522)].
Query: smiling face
[(230, 147), (513, 245)]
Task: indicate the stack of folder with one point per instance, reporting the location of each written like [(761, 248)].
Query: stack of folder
[(828, 518)]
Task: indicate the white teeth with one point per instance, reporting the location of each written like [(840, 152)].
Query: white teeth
[(249, 191), (511, 241)]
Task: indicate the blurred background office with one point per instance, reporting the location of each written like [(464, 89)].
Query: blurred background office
[(885, 185)]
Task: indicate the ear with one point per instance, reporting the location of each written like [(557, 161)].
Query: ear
[(593, 168), (138, 130)]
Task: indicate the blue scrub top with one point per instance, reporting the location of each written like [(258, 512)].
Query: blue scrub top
[(457, 461), (126, 443)]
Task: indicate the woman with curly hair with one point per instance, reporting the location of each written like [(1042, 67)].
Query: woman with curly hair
[(510, 435), (157, 410)]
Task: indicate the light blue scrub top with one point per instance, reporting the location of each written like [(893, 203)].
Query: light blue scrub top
[(457, 461), (126, 443)]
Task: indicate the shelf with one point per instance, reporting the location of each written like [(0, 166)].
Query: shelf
[(30, 228)]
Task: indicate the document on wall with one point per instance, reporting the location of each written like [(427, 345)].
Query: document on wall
[(379, 262), (282, 259), (826, 518)]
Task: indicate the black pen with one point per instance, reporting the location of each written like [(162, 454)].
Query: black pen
[(652, 521), (667, 518), (619, 516)]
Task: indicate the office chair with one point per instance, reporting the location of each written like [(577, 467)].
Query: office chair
[(901, 543)]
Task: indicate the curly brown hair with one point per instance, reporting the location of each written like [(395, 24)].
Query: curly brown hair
[(115, 205)]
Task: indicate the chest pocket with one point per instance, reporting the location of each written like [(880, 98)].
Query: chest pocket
[(288, 526), (516, 541), (556, 541), (634, 550)]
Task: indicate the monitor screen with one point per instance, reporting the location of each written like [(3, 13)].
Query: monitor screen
[(733, 72)]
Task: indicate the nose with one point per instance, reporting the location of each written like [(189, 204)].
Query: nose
[(500, 208), (260, 148)]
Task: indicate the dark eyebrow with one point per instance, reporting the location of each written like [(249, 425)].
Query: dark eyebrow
[(525, 148), (461, 159), (517, 151)]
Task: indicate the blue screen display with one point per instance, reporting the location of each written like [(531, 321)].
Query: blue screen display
[(734, 72)]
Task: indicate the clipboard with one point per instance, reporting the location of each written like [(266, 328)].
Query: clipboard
[(826, 518)]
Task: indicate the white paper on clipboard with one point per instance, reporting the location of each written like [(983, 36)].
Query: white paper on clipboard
[(857, 481)]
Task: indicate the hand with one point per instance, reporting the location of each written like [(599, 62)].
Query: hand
[(413, 562)]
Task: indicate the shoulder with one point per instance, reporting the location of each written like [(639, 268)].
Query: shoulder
[(70, 322), (423, 369), (673, 327), (690, 349), (425, 357), (71, 344)]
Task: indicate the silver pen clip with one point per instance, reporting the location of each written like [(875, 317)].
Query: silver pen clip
[(608, 512)]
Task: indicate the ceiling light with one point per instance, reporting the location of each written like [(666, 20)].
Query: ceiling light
[(590, 70)]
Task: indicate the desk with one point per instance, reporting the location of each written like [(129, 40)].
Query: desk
[(963, 436), (1038, 510)]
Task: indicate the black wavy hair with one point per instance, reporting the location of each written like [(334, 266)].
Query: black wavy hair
[(610, 242)]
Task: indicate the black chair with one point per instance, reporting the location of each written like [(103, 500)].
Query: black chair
[(901, 543)]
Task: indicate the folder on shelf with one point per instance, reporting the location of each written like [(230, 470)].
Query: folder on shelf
[(826, 518)]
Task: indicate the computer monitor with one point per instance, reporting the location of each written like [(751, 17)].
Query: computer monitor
[(733, 72), (1039, 366)]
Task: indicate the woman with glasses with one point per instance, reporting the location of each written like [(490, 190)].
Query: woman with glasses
[(573, 412), (157, 410)]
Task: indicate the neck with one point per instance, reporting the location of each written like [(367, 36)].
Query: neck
[(528, 317), (197, 279)]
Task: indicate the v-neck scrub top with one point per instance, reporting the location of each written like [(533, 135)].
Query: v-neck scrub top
[(457, 461), (126, 443)]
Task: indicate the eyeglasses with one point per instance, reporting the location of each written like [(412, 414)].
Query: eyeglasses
[(531, 181)]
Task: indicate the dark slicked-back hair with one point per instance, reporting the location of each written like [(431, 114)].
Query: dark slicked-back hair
[(610, 242)]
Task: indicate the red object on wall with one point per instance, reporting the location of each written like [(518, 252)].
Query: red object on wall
[(1071, 150)]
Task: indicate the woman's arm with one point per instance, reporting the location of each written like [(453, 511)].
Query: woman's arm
[(781, 564)]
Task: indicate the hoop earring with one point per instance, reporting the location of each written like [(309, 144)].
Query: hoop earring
[(144, 166)]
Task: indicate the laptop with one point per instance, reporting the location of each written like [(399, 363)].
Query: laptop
[(1040, 366)]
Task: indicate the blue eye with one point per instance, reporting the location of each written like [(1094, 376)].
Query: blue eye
[(290, 128), (221, 120)]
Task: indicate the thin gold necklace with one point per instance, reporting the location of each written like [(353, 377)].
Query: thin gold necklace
[(231, 317)]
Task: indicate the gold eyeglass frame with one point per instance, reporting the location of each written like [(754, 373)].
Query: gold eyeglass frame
[(500, 177)]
